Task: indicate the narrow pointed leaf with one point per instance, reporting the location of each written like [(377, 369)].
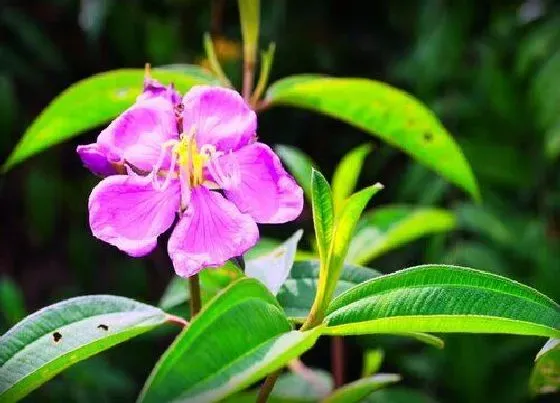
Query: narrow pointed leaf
[(299, 164), (346, 224), (297, 294), (443, 299), (358, 390), (323, 213), (383, 111), (56, 337), (387, 228), (249, 13), (346, 173), (238, 338), (92, 102)]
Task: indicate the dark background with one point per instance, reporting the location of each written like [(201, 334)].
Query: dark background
[(490, 70)]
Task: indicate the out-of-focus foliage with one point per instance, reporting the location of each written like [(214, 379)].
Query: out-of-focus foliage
[(489, 70)]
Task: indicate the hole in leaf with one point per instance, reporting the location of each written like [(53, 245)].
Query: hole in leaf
[(56, 337), (103, 327), (428, 137)]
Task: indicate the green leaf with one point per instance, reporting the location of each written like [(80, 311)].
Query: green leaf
[(399, 395), (213, 60), (249, 14), (545, 377), (11, 301), (239, 337), (360, 389), (90, 103), (323, 213), (211, 282), (387, 228), (299, 164), (267, 57), (372, 362), (346, 173), (52, 339), (273, 269), (297, 294), (443, 299), (307, 385), (381, 110), (346, 223)]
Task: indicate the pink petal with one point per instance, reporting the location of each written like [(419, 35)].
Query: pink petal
[(210, 232), (145, 125), (153, 88), (95, 158), (258, 184), (127, 212), (219, 117)]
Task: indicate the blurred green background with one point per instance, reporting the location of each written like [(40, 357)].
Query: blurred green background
[(490, 70)]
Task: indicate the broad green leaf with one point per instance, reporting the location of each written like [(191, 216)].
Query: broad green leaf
[(274, 268), (545, 377), (443, 299), (299, 164), (372, 362), (346, 173), (306, 385), (12, 305), (92, 102), (381, 110), (52, 339), (212, 281), (387, 228), (238, 338), (358, 390), (323, 213), (297, 294)]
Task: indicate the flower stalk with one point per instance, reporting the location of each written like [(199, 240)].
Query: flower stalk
[(194, 288)]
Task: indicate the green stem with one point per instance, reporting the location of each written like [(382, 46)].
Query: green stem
[(194, 286)]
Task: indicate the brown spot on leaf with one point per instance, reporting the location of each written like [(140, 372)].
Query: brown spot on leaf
[(56, 337), (103, 327), (428, 137)]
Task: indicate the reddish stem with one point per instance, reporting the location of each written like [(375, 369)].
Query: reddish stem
[(337, 357)]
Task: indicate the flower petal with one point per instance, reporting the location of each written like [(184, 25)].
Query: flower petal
[(145, 125), (96, 159), (219, 116), (210, 232), (255, 180), (153, 88), (127, 212)]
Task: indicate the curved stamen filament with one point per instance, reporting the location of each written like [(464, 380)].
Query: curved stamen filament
[(159, 163)]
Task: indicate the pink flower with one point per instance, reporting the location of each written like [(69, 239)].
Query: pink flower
[(214, 175)]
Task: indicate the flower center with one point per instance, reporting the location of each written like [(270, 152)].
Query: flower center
[(187, 163)]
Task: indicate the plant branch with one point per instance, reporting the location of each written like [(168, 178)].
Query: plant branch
[(267, 387), (194, 287), (337, 357)]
